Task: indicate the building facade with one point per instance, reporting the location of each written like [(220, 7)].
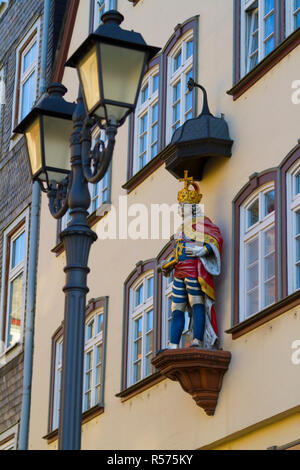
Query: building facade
[(26, 61), (246, 54)]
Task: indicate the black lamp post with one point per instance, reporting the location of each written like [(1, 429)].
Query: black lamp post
[(110, 65)]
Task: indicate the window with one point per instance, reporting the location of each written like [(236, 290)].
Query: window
[(3, 6), (14, 281), (257, 31), (140, 344), (27, 74), (179, 98), (9, 438), (94, 360), (292, 15), (57, 383), (146, 121), (293, 227), (100, 7), (257, 252)]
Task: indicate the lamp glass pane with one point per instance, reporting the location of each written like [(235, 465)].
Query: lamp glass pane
[(57, 147), (33, 137), (121, 73), (88, 69)]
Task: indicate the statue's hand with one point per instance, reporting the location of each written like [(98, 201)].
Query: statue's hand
[(160, 269), (198, 251)]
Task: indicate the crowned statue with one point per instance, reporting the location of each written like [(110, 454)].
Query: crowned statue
[(196, 259)]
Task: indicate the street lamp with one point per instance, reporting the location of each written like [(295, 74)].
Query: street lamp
[(110, 64)]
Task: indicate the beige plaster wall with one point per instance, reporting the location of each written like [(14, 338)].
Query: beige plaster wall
[(261, 383)]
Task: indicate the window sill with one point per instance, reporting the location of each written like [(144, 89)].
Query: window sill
[(284, 48), (265, 315), (15, 138), (140, 387), (86, 416), (143, 174), (92, 220)]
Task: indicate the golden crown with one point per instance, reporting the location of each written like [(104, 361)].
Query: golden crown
[(186, 195)]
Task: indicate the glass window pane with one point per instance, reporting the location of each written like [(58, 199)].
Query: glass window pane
[(298, 277), (252, 303), (150, 287), (149, 342), (148, 365), (269, 45), (189, 49), (137, 372), (137, 350), (269, 5), (90, 330), (252, 251), (269, 294), (142, 161), (297, 20), (15, 310), (154, 150), (18, 250), (154, 133), (177, 61), (99, 323), (155, 113), (155, 83), (297, 250), (139, 295), (138, 328), (297, 183), (252, 277), (145, 93), (297, 215), (269, 25), (144, 123), (28, 95), (176, 92), (149, 320), (269, 202), (269, 241), (29, 57), (253, 213)]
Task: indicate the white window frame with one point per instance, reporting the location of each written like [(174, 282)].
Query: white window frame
[(141, 110), (139, 312), (290, 16), (245, 32), (19, 78), (293, 205), (246, 235), (9, 438), (91, 345), (179, 75), (22, 267), (57, 383), (3, 6), (107, 5)]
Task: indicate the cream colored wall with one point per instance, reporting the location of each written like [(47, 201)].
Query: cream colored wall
[(261, 382)]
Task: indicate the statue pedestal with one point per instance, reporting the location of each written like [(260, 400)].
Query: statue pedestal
[(199, 371)]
